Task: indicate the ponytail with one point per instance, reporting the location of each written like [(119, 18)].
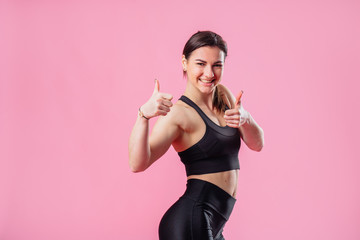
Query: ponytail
[(218, 101)]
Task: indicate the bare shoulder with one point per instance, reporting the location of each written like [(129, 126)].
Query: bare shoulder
[(226, 94), (180, 112), (183, 116), (225, 91), (177, 115)]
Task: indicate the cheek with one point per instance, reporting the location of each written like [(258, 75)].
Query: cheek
[(218, 72), (195, 72)]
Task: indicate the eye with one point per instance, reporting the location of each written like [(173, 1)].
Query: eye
[(218, 65), (201, 64)]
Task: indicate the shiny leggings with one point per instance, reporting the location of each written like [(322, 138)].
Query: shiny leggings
[(200, 214)]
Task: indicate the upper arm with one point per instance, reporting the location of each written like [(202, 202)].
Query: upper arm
[(164, 132)]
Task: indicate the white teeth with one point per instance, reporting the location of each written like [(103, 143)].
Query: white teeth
[(206, 81)]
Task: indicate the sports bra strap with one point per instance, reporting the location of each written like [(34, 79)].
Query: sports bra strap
[(196, 107), (205, 118)]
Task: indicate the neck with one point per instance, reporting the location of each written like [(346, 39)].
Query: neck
[(198, 97)]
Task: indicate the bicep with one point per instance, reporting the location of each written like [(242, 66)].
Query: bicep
[(164, 132)]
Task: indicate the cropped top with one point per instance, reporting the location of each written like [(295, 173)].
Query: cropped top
[(216, 151)]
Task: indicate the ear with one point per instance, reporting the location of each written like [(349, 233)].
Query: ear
[(184, 62)]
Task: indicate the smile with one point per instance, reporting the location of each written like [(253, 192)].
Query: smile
[(207, 82)]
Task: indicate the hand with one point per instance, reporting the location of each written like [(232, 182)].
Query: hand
[(236, 116), (158, 104)]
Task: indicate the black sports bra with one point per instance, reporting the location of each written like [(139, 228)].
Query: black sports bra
[(217, 150)]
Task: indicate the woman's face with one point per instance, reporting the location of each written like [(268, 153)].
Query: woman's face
[(204, 68)]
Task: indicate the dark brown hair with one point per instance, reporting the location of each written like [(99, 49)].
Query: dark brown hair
[(202, 39)]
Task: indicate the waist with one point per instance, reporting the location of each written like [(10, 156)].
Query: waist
[(226, 180), (207, 193)]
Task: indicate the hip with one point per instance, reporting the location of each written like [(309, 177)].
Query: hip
[(200, 213)]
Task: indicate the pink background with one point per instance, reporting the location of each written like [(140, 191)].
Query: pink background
[(73, 74)]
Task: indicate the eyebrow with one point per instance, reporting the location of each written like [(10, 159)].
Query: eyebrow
[(205, 61)]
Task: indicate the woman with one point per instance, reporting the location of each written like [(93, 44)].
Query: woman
[(204, 127)]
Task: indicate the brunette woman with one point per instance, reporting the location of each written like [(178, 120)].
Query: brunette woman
[(205, 126)]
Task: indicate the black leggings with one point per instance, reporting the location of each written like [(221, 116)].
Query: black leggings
[(200, 214)]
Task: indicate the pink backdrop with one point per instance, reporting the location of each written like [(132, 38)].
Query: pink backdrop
[(73, 74)]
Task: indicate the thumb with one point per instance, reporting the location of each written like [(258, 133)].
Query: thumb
[(157, 86), (238, 99)]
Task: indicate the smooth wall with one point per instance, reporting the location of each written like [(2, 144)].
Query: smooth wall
[(74, 73)]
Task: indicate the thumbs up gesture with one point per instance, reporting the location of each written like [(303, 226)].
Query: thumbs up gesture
[(236, 116), (158, 104)]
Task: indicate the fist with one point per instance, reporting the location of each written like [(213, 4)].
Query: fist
[(158, 104), (236, 116)]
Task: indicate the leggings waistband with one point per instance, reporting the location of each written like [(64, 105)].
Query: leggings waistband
[(210, 194)]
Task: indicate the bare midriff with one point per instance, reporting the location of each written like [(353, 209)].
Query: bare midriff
[(226, 180)]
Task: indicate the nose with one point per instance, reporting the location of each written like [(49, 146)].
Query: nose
[(208, 72)]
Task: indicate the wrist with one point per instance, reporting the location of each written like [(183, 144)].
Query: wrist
[(245, 119), (141, 114)]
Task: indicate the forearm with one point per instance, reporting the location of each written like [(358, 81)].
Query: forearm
[(252, 133), (139, 147)]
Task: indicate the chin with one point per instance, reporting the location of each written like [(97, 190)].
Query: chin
[(207, 90)]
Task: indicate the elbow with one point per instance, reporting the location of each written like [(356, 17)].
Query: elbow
[(260, 145), (136, 168)]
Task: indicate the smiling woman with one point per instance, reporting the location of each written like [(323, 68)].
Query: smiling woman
[(205, 65), (205, 127)]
